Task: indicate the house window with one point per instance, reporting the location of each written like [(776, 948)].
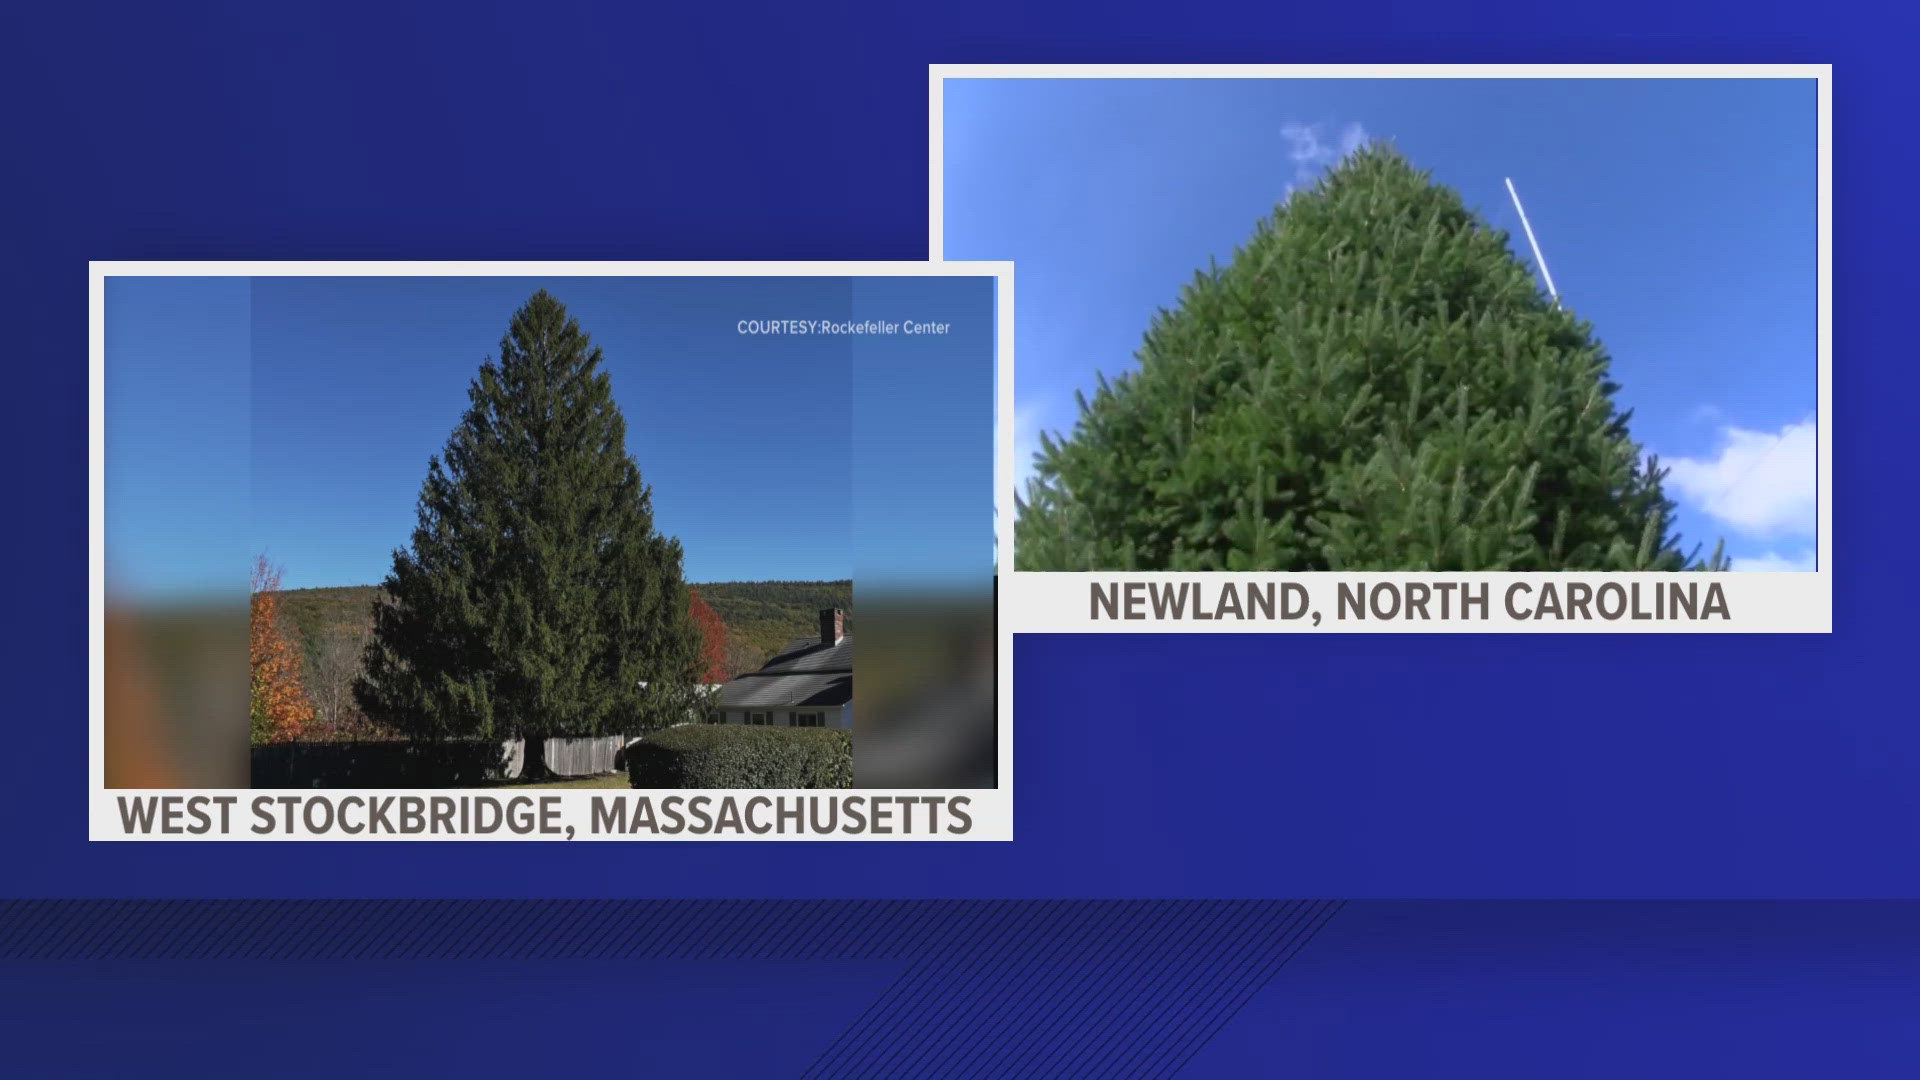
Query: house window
[(760, 718), (809, 719), (716, 716)]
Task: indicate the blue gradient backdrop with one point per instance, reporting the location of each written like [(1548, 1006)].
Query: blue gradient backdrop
[(1712, 767)]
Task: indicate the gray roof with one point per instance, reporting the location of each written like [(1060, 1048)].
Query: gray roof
[(805, 673)]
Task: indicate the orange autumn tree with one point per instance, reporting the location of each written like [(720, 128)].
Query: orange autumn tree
[(280, 706), (713, 639)]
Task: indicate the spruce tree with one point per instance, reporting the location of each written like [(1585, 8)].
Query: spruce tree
[(536, 599), (1373, 382)]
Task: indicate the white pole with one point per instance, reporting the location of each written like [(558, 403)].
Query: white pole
[(1531, 242)]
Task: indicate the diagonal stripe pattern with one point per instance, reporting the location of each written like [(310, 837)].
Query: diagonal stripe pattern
[(1073, 988), (1004, 988)]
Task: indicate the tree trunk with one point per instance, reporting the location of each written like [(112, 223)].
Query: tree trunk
[(534, 765)]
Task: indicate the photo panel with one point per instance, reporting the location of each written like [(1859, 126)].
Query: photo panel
[(1419, 348), (547, 551)]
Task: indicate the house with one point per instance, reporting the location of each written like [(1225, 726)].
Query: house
[(809, 684)]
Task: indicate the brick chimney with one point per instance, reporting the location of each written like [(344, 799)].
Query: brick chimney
[(833, 625)]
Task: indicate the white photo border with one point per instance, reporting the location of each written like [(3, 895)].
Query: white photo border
[(1763, 602), (991, 809)]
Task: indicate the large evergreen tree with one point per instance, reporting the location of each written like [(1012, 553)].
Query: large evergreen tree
[(1373, 382), (537, 598)]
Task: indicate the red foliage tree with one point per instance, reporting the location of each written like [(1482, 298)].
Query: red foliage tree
[(280, 704), (713, 640)]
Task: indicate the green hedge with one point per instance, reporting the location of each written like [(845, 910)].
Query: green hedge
[(737, 756)]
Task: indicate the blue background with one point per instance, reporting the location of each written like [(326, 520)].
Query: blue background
[(1473, 767)]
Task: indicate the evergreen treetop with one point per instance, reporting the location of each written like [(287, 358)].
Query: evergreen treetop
[(1373, 382), (536, 599)]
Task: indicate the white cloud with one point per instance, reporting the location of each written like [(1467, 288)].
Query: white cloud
[(1313, 147), (1352, 138), (1772, 562), (1760, 483)]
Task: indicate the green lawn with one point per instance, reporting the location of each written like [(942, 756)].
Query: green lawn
[(610, 780)]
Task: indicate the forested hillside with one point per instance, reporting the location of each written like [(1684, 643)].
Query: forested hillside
[(310, 612), (763, 616)]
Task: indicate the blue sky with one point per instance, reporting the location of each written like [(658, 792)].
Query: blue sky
[(177, 435), (295, 416), (1678, 216)]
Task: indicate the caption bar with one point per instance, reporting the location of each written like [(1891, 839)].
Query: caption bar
[(1698, 602), (609, 815)]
